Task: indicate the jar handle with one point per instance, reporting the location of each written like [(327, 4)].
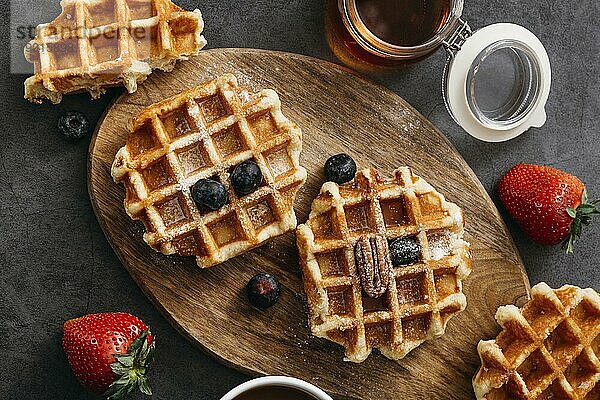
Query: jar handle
[(455, 41)]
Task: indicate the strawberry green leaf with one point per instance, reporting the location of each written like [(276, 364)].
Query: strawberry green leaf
[(582, 216), (119, 392), (125, 359), (122, 380), (119, 369), (144, 349), (150, 356), (131, 368), (586, 208), (584, 196), (119, 388), (144, 386), (137, 343)]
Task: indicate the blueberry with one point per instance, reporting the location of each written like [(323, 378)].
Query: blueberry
[(405, 251), (209, 194), (246, 178), (263, 290), (73, 125), (340, 168)]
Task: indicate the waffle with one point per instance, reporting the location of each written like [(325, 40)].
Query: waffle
[(549, 349), (204, 132), (98, 43), (420, 298)]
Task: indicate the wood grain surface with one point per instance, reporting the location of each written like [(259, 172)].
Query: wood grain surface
[(338, 112)]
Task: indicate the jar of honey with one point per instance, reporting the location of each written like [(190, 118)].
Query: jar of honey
[(496, 79), (388, 33)]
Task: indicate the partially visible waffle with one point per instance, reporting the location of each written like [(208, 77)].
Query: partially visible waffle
[(418, 299), (204, 133), (98, 43), (549, 349)]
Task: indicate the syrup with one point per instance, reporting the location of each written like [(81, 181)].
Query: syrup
[(403, 22), (381, 24), (274, 393)]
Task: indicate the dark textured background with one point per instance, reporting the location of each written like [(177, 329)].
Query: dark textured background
[(56, 263)]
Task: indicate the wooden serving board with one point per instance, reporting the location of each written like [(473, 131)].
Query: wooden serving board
[(338, 112)]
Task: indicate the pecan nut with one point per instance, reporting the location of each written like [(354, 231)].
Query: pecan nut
[(372, 259)]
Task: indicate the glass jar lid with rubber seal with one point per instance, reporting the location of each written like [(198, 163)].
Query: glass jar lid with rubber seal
[(496, 80)]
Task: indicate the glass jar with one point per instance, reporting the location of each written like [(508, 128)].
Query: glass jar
[(348, 30), (496, 79)]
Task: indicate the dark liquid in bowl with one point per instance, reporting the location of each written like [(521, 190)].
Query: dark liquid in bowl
[(274, 393), (403, 22)]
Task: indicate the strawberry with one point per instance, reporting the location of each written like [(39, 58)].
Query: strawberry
[(550, 205), (109, 353)]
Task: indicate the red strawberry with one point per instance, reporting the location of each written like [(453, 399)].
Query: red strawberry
[(551, 206), (109, 353)]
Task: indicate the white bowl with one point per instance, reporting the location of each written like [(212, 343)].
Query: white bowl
[(285, 381)]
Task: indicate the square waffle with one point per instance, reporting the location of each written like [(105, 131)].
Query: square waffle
[(98, 43), (549, 349), (420, 298), (203, 133)]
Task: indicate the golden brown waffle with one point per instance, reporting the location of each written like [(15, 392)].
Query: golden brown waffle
[(201, 133), (98, 43), (549, 349), (420, 298)]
